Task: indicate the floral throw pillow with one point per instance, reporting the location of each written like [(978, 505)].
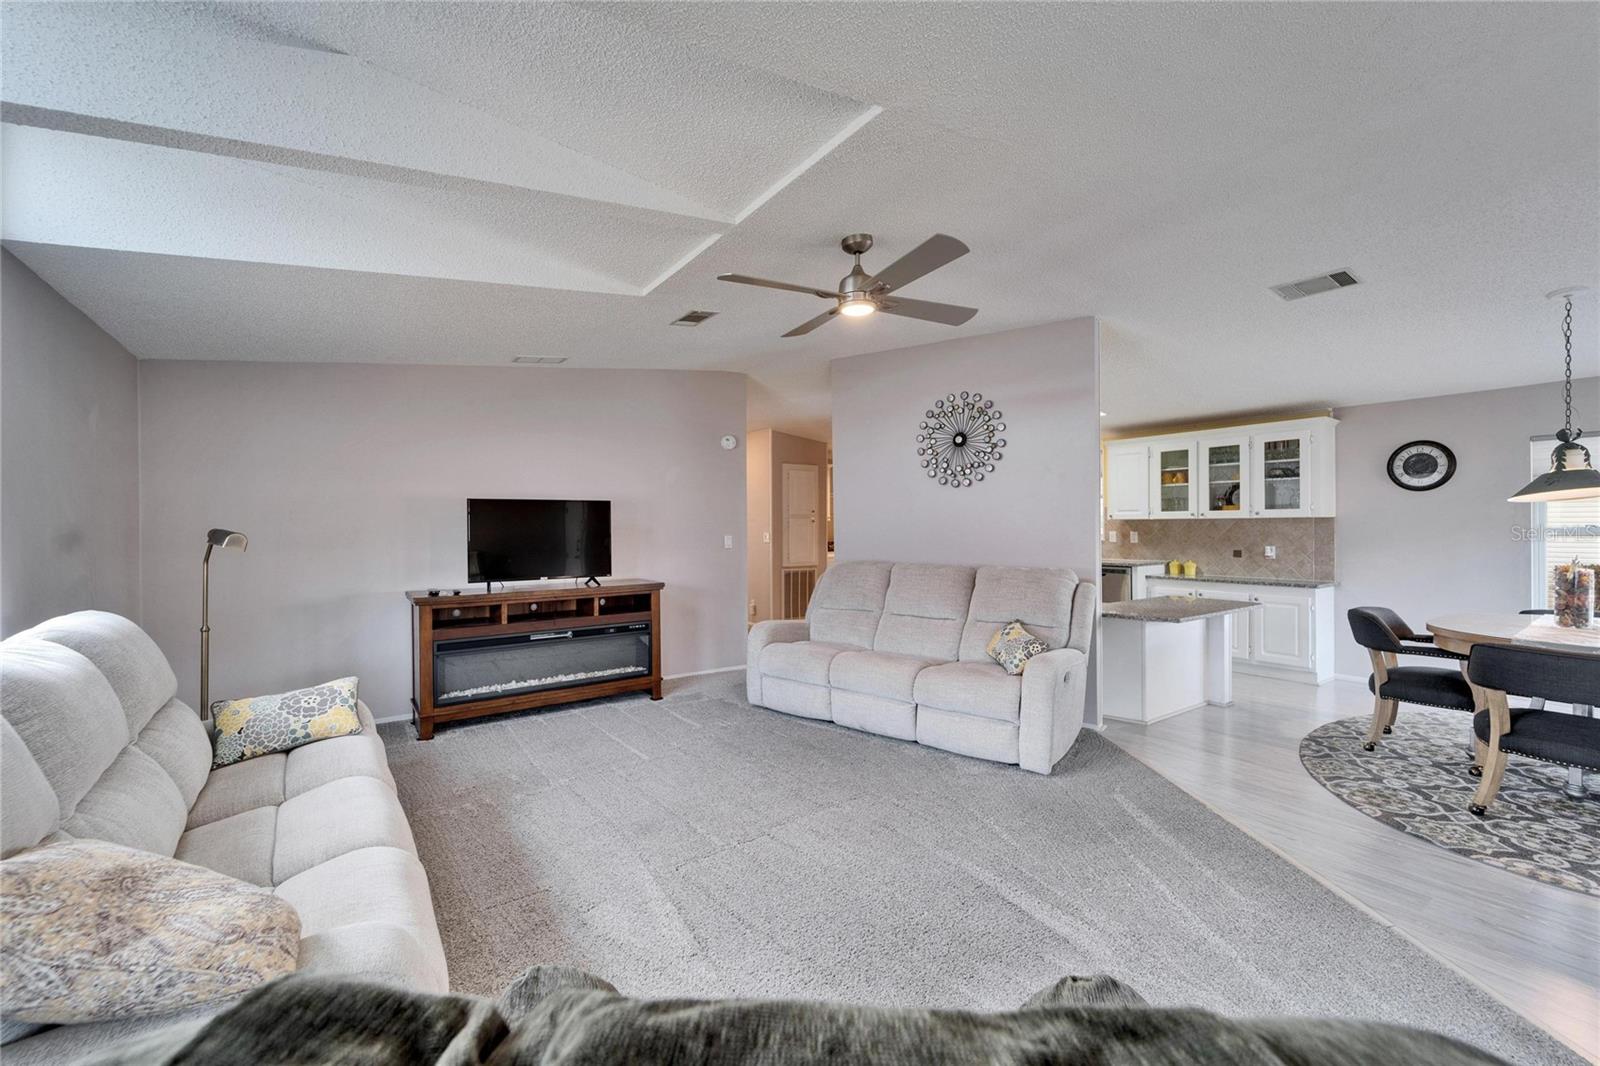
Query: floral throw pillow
[(97, 931), (262, 725), (1013, 646)]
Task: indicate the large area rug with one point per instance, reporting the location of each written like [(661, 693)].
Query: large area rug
[(703, 847), (1417, 781)]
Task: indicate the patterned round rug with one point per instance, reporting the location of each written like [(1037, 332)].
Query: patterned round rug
[(1417, 781)]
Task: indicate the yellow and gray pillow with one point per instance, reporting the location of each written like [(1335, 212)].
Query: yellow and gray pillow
[(262, 725), (1013, 646)]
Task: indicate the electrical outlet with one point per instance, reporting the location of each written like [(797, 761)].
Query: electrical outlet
[(1111, 535), (1133, 537), (1272, 551), (752, 608), (727, 540)]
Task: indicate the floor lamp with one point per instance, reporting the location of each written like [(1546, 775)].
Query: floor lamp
[(217, 538)]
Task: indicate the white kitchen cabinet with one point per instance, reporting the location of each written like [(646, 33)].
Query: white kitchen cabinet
[(1289, 636), (1224, 462), (1280, 632), (1269, 470), (1172, 479), (1127, 479)]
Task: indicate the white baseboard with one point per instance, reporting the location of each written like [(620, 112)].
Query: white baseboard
[(1359, 679), (702, 673), (665, 677)]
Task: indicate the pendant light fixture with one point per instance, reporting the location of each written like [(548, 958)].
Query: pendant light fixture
[(1572, 476)]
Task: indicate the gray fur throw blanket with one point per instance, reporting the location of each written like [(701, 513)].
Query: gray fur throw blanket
[(555, 1016)]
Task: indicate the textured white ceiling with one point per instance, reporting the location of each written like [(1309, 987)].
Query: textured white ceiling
[(472, 182)]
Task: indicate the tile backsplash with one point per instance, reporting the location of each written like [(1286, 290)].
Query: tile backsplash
[(1305, 545)]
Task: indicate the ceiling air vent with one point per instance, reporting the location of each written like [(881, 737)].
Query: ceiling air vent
[(540, 360), (693, 318), (1295, 290)]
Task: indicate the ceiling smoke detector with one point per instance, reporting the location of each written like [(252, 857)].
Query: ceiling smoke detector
[(1295, 290), (540, 360), (693, 318)]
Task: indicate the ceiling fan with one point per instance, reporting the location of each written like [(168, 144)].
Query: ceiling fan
[(861, 293)]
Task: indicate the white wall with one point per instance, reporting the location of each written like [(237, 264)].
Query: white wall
[(351, 483), (69, 466), (1039, 507), (1452, 548)]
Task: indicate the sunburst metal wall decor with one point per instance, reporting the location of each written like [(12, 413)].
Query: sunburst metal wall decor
[(959, 439)]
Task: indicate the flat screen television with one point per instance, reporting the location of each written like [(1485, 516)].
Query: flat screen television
[(524, 540)]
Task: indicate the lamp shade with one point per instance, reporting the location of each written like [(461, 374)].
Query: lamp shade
[(227, 538), (1571, 477)]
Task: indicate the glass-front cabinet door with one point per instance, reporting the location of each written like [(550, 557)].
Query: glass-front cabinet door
[(1282, 474), (1173, 480), (1224, 477)]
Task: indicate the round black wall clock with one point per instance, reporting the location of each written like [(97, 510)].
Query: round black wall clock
[(1421, 465)]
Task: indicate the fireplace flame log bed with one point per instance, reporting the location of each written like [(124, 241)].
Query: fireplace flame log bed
[(481, 653)]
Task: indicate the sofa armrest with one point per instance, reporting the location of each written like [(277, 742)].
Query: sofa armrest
[(1052, 707), (772, 631)]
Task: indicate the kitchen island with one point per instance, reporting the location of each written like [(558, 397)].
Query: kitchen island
[(1165, 655)]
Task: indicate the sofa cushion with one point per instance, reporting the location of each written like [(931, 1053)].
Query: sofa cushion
[(177, 740), (981, 688), (384, 932), (135, 668), (1038, 597), (876, 673), (847, 603), (332, 819), (134, 803), (65, 712), (968, 734), (31, 810), (359, 755), (244, 786), (924, 611), (240, 846), (97, 931), (803, 660)]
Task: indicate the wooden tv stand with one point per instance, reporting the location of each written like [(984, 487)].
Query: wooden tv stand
[(554, 611)]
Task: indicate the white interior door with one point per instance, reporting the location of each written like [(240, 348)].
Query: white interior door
[(799, 515)]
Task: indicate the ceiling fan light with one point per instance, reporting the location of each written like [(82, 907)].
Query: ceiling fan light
[(857, 306), (1571, 477)]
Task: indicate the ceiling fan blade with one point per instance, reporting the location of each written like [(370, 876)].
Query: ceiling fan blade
[(806, 327), (927, 310), (925, 258), (765, 283)]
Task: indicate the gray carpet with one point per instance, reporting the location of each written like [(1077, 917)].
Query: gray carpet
[(703, 847)]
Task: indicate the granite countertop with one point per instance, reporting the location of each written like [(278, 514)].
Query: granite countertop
[(1172, 609), (1133, 562), (1280, 582)]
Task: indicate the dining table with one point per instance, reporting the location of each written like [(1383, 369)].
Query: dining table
[(1459, 632)]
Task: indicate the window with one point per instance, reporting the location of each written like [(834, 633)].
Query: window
[(1563, 530)]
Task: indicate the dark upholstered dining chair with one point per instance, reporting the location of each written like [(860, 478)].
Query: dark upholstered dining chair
[(1550, 736), (1386, 636)]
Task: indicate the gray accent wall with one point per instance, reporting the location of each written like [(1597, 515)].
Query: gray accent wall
[(69, 458), (1039, 507), (351, 482), (1453, 548)]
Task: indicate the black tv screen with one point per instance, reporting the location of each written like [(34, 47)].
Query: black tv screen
[(523, 540)]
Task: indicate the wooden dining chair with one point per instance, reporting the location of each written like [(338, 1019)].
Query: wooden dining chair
[(1549, 736), (1386, 636)]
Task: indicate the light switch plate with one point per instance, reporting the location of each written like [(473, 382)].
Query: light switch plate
[(1133, 536), (1111, 535), (727, 540), (1272, 551)]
